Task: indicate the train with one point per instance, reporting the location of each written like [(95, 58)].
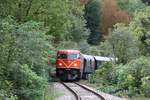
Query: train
[(73, 65)]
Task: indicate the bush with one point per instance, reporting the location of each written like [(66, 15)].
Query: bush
[(103, 74), (6, 92), (27, 84), (107, 89), (135, 76), (146, 86), (23, 59), (131, 79), (121, 44)]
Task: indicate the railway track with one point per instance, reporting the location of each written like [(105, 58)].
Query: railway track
[(81, 92)]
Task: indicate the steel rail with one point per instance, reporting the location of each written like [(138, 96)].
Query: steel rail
[(71, 90), (97, 94)]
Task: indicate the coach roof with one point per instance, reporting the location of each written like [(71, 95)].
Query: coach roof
[(100, 58)]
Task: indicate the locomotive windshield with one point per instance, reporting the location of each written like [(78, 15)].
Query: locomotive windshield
[(68, 56)]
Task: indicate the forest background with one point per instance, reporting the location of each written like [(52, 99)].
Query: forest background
[(31, 32)]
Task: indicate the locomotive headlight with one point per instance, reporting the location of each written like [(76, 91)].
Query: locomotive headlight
[(75, 64), (60, 64)]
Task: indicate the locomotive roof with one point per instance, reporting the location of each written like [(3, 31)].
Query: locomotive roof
[(69, 51)]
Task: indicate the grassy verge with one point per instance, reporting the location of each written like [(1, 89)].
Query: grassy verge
[(97, 86), (49, 93)]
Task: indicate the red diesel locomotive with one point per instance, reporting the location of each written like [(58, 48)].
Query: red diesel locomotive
[(68, 64)]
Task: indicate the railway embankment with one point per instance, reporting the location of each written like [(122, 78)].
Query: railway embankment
[(105, 95)]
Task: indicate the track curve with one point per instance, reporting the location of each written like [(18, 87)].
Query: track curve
[(81, 92), (74, 93), (97, 94)]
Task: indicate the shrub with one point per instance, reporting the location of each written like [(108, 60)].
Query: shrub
[(146, 86), (107, 89), (27, 84), (135, 76), (6, 92), (131, 79), (103, 74)]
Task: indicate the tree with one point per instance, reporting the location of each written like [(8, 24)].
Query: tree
[(64, 19), (6, 41), (121, 44), (23, 51), (111, 15), (93, 17), (135, 76), (140, 27), (131, 5), (77, 31)]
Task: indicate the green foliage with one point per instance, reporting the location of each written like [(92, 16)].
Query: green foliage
[(140, 28), (146, 86), (134, 76), (27, 84), (107, 89), (94, 50), (6, 40), (23, 51), (56, 17), (82, 46), (77, 31), (49, 94), (6, 90), (121, 44), (135, 73), (127, 43), (67, 45), (131, 79), (33, 30), (64, 18), (102, 75), (93, 17), (31, 40), (131, 5)]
